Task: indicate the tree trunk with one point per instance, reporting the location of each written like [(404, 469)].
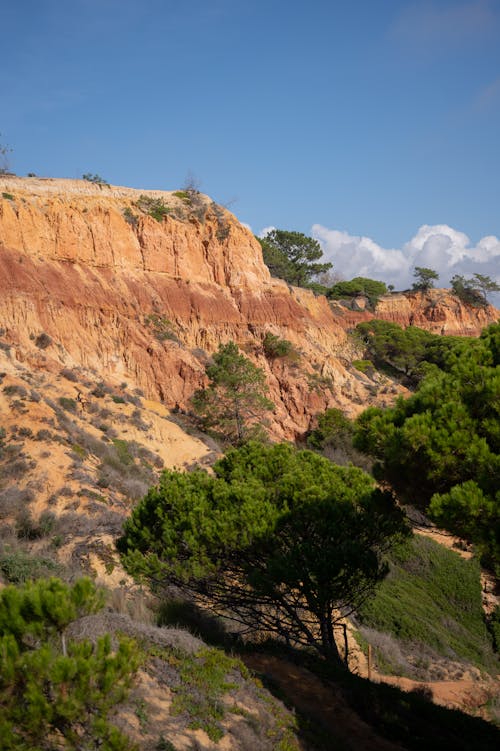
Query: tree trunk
[(329, 645)]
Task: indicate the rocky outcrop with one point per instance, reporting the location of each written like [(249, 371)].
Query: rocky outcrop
[(436, 310)]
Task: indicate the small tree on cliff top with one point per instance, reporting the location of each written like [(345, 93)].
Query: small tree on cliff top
[(293, 256), (425, 278), (235, 399), (4, 160)]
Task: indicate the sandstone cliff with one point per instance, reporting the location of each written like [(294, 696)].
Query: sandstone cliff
[(146, 301), (436, 310)]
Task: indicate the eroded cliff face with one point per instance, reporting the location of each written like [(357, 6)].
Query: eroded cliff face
[(436, 310), (147, 301)]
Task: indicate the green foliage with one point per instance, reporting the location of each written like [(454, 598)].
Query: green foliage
[(162, 327), (155, 207), (425, 278), (364, 366), (273, 346), (473, 291), (55, 694), (96, 179), (67, 403), (8, 196), (494, 627), (432, 598), (360, 285), (130, 217), (293, 256), (441, 447), (334, 428), (277, 539), (183, 195), (486, 284), (18, 567), (123, 451), (411, 351), (234, 401), (203, 683)]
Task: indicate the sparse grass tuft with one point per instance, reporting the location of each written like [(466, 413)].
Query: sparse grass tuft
[(203, 684)]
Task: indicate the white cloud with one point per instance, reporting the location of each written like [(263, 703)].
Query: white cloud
[(438, 247), (265, 231)]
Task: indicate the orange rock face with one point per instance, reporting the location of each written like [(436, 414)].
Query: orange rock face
[(146, 301), (437, 311)]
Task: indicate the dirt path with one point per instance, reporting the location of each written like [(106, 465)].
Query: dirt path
[(321, 703)]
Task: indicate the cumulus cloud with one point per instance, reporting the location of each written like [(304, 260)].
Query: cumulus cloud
[(439, 247), (265, 231)]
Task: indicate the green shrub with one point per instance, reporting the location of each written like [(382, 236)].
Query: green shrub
[(130, 217), (161, 327), (364, 366), (494, 627), (8, 196), (359, 286), (18, 567), (183, 195), (154, 207), (203, 685), (43, 341), (334, 428), (96, 179), (432, 597), (67, 403), (58, 693), (273, 346)]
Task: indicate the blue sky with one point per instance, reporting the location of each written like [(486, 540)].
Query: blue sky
[(362, 118)]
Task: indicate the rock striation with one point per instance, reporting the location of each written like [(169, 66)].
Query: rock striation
[(436, 310), (89, 278)]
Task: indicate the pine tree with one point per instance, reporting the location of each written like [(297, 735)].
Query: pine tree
[(235, 400), (56, 693)]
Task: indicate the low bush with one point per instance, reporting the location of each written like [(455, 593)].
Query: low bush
[(432, 597), (58, 693), (273, 346), (161, 327), (15, 389), (154, 207), (94, 178), (67, 403), (43, 341), (70, 375), (364, 366), (18, 567)]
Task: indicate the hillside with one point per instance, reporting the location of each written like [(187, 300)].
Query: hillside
[(112, 301)]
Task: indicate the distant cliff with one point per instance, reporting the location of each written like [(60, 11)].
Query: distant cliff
[(436, 310)]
